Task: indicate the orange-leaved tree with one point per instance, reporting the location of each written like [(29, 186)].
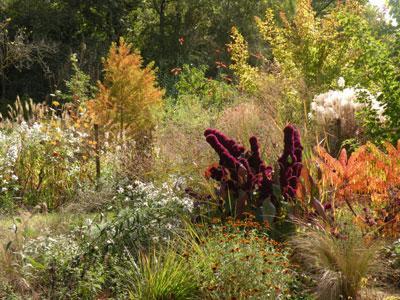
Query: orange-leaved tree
[(129, 96), (346, 175), (369, 171), (370, 177)]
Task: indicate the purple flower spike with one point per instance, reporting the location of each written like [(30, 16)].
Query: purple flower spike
[(245, 176), (216, 173), (231, 145), (290, 162), (226, 159), (255, 160), (265, 183), (250, 176)]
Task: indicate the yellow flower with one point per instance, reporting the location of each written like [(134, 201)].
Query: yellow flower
[(56, 103)]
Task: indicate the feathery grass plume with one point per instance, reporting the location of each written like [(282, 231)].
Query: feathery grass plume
[(343, 105), (340, 113), (339, 261)]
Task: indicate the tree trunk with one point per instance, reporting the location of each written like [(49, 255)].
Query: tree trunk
[(162, 23), (3, 86), (97, 153)]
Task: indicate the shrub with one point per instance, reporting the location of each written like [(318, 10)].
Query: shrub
[(367, 178), (150, 216), (242, 265), (79, 87), (211, 93), (246, 74), (43, 162), (50, 269)]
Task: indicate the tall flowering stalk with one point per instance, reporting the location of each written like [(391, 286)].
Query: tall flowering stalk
[(246, 178), (290, 162)]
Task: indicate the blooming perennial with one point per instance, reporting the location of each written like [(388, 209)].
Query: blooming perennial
[(35, 145), (343, 105), (140, 195)]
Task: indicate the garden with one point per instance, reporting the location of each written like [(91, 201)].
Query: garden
[(182, 149)]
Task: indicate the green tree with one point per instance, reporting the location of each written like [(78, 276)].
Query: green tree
[(394, 6), (83, 27), (177, 32)]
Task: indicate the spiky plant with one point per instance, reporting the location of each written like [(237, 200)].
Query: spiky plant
[(163, 276), (340, 260)]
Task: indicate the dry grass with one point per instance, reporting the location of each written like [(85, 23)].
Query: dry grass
[(341, 264), (181, 147), (249, 118)]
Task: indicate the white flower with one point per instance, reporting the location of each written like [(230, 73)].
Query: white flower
[(333, 105), (14, 228), (341, 82)]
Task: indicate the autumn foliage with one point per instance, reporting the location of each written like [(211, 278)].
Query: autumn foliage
[(129, 94), (370, 178), (367, 171)]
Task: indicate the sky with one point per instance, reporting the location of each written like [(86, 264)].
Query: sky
[(381, 4)]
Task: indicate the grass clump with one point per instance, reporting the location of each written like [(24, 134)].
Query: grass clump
[(342, 262), (163, 276)]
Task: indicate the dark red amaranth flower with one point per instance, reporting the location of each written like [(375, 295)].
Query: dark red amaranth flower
[(250, 179), (265, 184), (226, 159), (254, 159), (231, 145), (215, 172), (290, 162), (245, 179)]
